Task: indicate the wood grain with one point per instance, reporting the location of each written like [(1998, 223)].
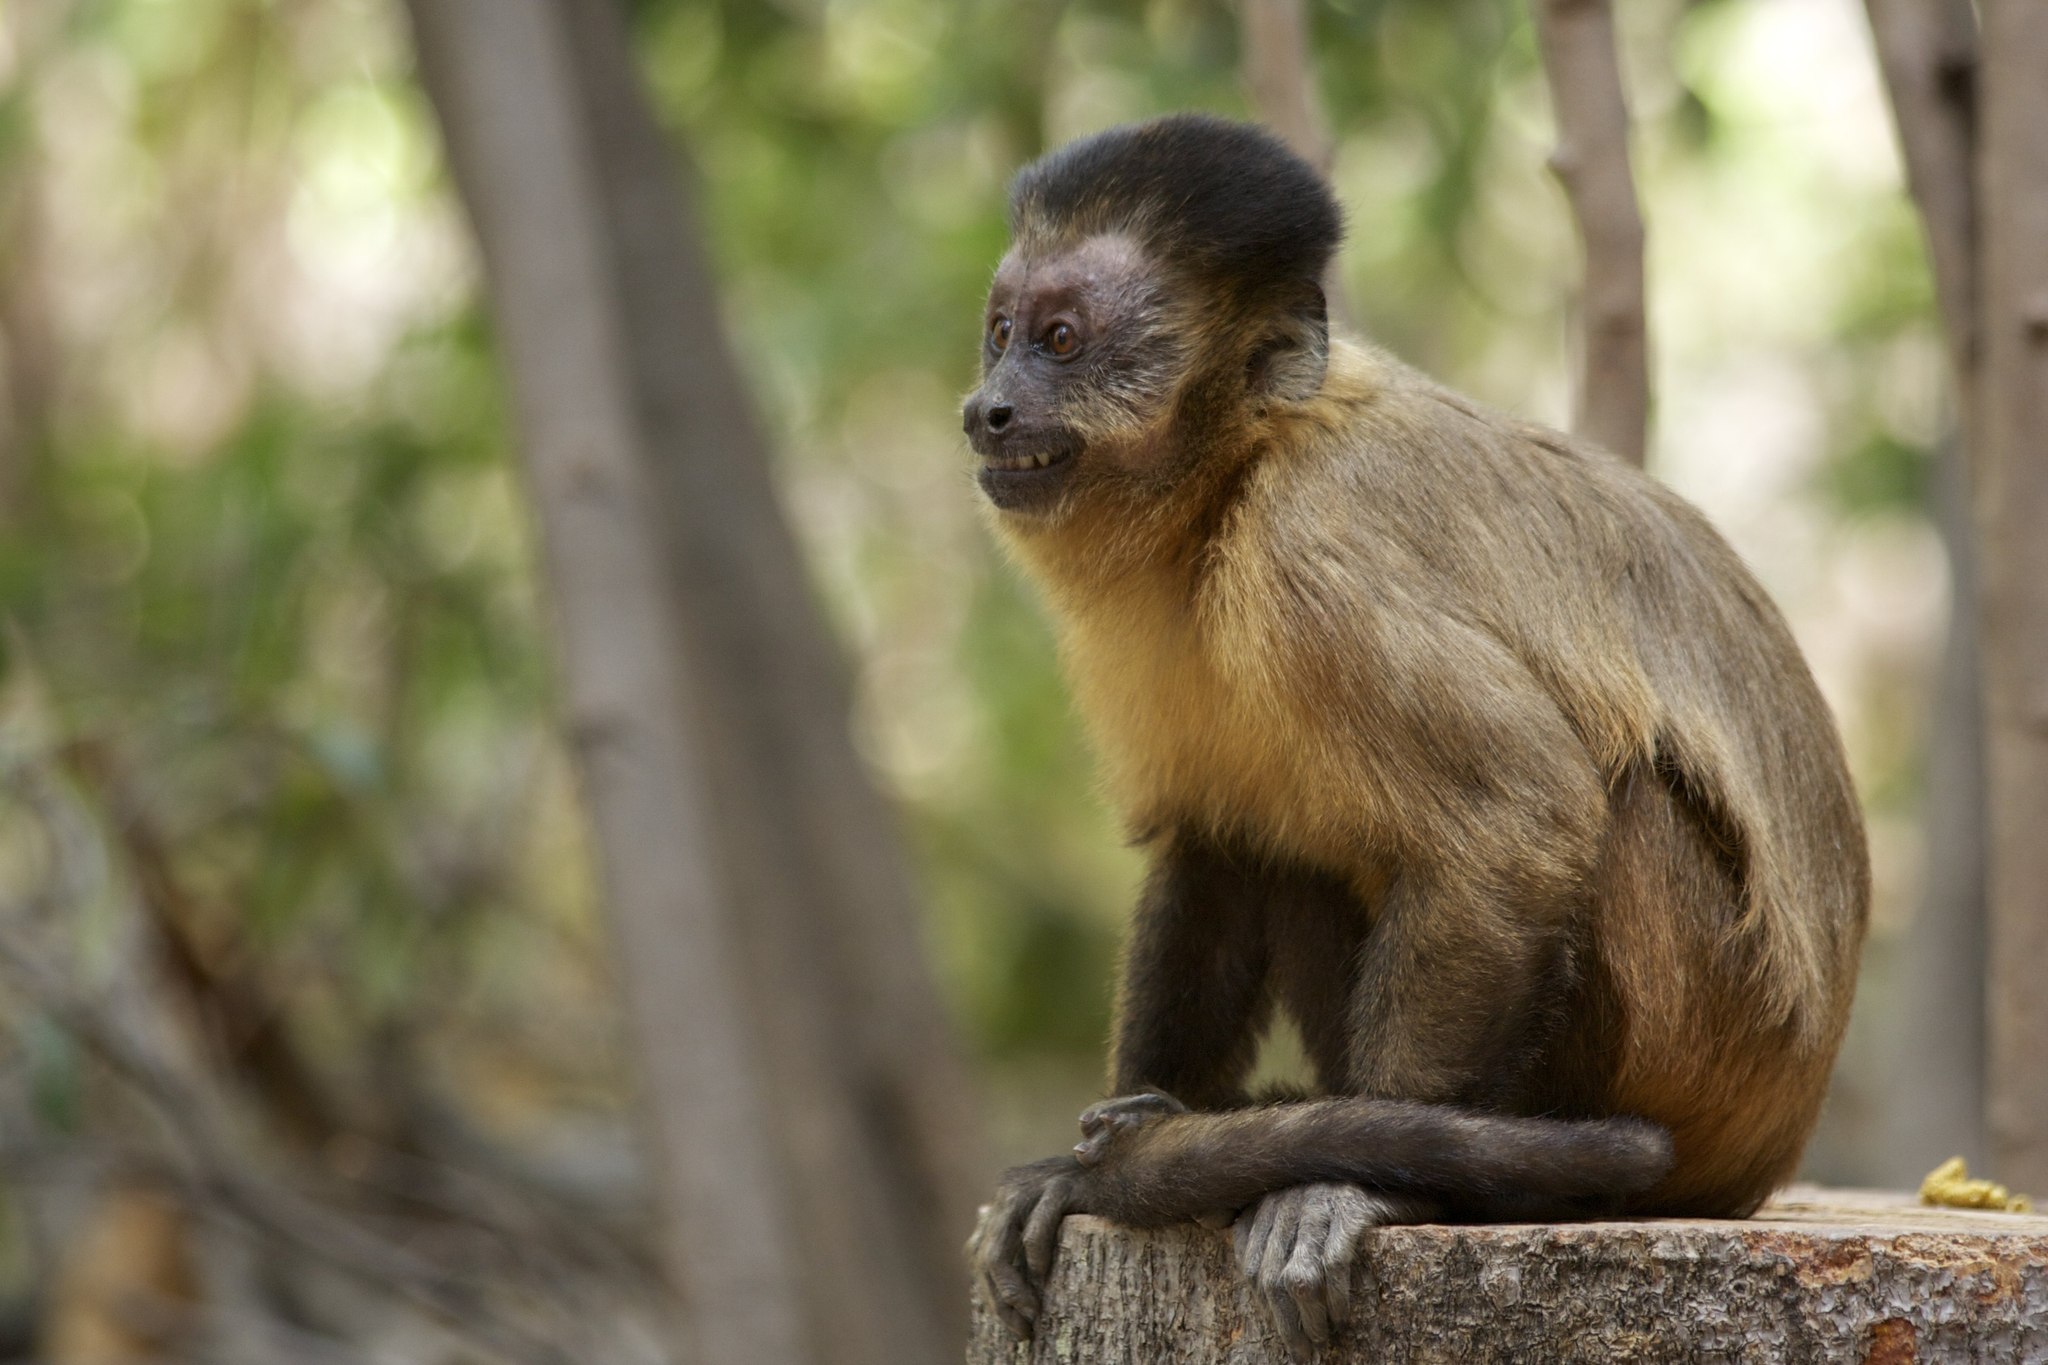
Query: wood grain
[(1818, 1275)]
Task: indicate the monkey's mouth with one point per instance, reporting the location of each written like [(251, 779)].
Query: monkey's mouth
[(1024, 480), (1010, 464)]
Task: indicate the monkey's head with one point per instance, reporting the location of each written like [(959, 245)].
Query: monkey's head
[(1162, 289)]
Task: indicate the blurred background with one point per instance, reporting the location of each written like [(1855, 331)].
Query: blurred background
[(275, 673)]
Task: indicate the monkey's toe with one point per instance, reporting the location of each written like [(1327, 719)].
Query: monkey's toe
[(1297, 1247)]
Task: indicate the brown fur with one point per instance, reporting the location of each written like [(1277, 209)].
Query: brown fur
[(1472, 749), (1412, 616)]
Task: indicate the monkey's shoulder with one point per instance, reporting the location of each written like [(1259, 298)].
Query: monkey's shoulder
[(1404, 560), (1394, 512), (1304, 683)]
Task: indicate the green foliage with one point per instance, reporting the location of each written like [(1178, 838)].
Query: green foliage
[(265, 538), (1881, 473)]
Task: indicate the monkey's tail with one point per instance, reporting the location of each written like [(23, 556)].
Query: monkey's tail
[(1473, 1165)]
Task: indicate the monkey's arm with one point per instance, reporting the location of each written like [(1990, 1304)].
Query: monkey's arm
[(1192, 995), (1193, 992), (1183, 1166)]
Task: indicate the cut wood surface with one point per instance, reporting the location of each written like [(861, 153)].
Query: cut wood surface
[(1818, 1275)]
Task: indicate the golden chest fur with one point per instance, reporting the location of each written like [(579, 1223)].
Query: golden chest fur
[(1196, 723)]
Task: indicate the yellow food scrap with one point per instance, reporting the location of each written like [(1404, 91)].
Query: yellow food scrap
[(1949, 1186)]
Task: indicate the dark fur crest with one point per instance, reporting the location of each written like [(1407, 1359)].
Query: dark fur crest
[(1227, 199)]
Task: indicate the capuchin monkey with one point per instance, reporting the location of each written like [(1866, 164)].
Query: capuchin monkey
[(1466, 746)]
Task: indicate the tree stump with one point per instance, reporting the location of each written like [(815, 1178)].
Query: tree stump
[(1818, 1275)]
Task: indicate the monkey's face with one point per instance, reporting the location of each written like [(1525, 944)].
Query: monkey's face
[(1078, 362)]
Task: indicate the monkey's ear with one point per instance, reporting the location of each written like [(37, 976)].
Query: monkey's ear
[(1289, 365)]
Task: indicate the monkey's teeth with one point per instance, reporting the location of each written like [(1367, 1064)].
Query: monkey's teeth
[(1019, 462)]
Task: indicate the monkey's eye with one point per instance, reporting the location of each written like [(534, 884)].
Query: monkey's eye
[(999, 333), (1061, 339)]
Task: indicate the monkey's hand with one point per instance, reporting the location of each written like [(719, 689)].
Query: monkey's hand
[(1012, 1247), (1296, 1246), (1100, 1123)]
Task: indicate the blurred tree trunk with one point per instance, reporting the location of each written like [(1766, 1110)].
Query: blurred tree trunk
[(1932, 1095), (812, 1123), (28, 345), (2011, 477), (499, 79), (1591, 162), (1927, 50), (1970, 114), (1279, 75)]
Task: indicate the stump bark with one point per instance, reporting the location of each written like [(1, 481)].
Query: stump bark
[(1817, 1275)]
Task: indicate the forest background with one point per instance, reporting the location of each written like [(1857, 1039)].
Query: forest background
[(274, 643)]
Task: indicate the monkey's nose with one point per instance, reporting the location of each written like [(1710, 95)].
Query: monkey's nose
[(998, 416)]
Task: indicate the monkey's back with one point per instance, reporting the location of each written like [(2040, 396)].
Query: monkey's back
[(1410, 541)]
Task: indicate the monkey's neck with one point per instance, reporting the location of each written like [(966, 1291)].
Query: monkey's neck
[(1098, 558), (1148, 541), (1124, 538)]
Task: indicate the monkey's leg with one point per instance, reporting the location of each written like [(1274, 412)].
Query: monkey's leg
[(1462, 988), (1296, 1246), (1431, 956), (1421, 1032)]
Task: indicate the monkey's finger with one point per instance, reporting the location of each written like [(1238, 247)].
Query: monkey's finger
[(1090, 1150), (1273, 1231), (1311, 1226), (1340, 1252), (1269, 1241), (1337, 1293), (1140, 1107), (1011, 1299), (1001, 1225), (1286, 1316), (1217, 1219), (1310, 1312), (1013, 1324), (1253, 1227), (1305, 1272), (1042, 1230), (976, 1238), (1290, 1205), (1000, 1259)]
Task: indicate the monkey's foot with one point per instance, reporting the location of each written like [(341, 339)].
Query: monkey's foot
[(1296, 1247), (1100, 1123), (1012, 1247)]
